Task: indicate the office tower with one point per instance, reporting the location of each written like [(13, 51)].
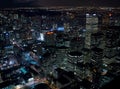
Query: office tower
[(66, 27), (91, 27), (50, 38), (111, 41)]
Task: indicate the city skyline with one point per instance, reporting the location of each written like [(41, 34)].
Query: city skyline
[(60, 47)]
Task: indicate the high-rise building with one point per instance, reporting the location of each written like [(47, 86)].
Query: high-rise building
[(66, 27), (91, 22), (50, 38), (105, 20), (91, 26), (111, 38)]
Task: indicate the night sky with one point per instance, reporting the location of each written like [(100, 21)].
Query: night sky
[(33, 3)]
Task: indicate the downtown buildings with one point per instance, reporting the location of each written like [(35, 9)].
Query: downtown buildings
[(54, 43)]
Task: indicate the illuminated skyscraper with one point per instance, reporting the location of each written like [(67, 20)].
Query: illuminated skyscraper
[(91, 27)]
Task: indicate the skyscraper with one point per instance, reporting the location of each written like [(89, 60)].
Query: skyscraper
[(91, 27), (50, 38)]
